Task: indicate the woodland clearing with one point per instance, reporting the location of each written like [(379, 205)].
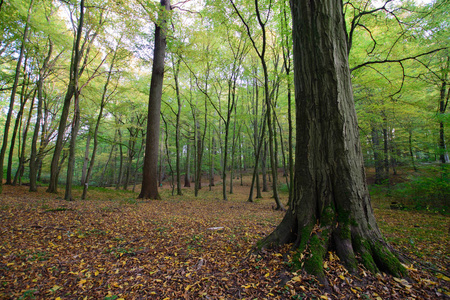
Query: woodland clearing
[(114, 246)]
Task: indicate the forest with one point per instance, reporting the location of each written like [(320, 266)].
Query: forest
[(107, 104)]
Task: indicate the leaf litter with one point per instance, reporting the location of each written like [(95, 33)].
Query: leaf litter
[(116, 247)]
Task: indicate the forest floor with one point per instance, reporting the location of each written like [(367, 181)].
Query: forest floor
[(114, 246)]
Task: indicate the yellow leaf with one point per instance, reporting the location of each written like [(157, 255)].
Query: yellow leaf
[(267, 275), (325, 265), (58, 298), (342, 277), (296, 279), (59, 237), (187, 288), (442, 276), (96, 273), (9, 264), (331, 256), (55, 288), (354, 291), (82, 281), (324, 297)]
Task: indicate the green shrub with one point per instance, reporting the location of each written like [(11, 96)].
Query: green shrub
[(429, 189)]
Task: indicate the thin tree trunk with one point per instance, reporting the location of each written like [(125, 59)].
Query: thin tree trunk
[(263, 168), (120, 174), (13, 95), (443, 102), (72, 148), (176, 68), (21, 168), (103, 102), (187, 180), (411, 150), (212, 152), (34, 160), (86, 159), (71, 89), (137, 162), (23, 100), (233, 144), (102, 182), (386, 155)]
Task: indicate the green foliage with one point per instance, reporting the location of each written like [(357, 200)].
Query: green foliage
[(428, 189)]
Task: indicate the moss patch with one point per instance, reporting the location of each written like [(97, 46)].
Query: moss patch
[(317, 250), (387, 261)]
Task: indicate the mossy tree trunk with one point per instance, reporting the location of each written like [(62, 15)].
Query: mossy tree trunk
[(331, 207)]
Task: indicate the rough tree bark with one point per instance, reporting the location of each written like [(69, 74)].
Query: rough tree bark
[(150, 173), (331, 205)]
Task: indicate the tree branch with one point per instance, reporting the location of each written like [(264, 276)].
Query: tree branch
[(414, 57)]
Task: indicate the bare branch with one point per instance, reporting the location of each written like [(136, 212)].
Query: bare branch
[(414, 57)]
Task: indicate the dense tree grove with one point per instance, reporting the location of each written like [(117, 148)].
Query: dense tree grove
[(77, 106)]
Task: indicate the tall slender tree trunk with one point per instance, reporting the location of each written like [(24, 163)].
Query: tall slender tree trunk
[(120, 172), (411, 154), (212, 153), (187, 179), (23, 100), (34, 160), (13, 96), (138, 159), (71, 89), (150, 173), (263, 168), (378, 161), (287, 68), (443, 102), (176, 67), (103, 101), (86, 158), (331, 206), (102, 181), (72, 146), (21, 168), (385, 155)]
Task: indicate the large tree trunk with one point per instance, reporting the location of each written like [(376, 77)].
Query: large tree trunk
[(331, 205), (150, 173)]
